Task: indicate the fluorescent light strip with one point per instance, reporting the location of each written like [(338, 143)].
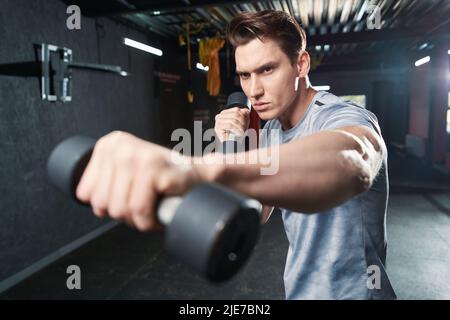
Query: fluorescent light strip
[(202, 67), (422, 61), (321, 88), (143, 47)]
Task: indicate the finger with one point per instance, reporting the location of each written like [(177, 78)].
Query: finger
[(99, 212), (142, 200), (245, 111), (242, 113), (120, 190), (235, 111), (102, 192), (221, 135), (87, 183), (230, 110), (233, 127), (241, 120), (224, 123)]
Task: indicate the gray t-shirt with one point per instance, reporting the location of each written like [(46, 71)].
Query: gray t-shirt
[(338, 253)]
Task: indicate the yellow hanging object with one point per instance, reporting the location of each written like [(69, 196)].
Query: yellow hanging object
[(209, 57), (190, 97), (188, 40), (181, 41)]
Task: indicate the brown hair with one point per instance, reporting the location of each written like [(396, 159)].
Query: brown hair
[(276, 25)]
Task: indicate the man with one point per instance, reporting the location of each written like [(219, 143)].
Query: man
[(331, 184)]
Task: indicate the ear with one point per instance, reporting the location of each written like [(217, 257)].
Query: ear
[(303, 64)]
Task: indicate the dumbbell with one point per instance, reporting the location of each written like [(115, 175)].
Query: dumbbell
[(234, 143), (211, 229)]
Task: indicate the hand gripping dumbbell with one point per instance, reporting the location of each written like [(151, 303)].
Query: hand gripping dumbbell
[(234, 143), (211, 229)]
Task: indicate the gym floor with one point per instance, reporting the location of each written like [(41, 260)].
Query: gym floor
[(126, 264)]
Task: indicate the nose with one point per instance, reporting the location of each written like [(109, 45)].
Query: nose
[(256, 88)]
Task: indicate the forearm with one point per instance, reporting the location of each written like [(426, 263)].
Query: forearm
[(315, 173)]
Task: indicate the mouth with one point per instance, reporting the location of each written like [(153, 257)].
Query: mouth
[(260, 105)]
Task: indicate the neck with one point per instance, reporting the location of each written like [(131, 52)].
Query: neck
[(298, 107)]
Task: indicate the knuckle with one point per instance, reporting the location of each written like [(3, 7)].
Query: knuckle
[(144, 224), (97, 212), (148, 157), (106, 144), (83, 189), (138, 207), (116, 133), (124, 155), (82, 194), (115, 137), (101, 145), (99, 201), (117, 212)]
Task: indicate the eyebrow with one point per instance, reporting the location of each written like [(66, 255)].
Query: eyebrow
[(261, 68)]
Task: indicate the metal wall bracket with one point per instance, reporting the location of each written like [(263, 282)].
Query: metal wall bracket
[(55, 67), (63, 76)]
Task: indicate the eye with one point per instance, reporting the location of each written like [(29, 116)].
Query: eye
[(244, 76), (268, 69)]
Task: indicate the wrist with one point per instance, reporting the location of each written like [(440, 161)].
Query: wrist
[(209, 168)]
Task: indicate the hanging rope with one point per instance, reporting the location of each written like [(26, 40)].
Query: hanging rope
[(209, 56), (196, 27)]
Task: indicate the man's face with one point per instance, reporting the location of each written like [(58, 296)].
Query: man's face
[(267, 77)]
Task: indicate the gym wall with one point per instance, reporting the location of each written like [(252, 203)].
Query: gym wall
[(45, 221)]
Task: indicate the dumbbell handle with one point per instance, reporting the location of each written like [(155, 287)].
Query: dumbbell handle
[(68, 161), (232, 143), (167, 208), (240, 100)]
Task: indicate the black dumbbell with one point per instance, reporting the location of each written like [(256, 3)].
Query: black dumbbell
[(211, 229), (233, 143)]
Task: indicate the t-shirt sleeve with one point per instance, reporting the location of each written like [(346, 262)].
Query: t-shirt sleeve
[(343, 115), (264, 137)]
